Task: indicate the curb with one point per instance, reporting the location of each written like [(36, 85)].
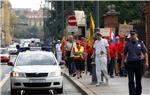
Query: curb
[(83, 89)]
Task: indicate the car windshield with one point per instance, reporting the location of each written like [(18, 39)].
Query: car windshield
[(12, 46), (3, 51), (35, 59)]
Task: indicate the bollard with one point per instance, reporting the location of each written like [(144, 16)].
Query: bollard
[(94, 79)]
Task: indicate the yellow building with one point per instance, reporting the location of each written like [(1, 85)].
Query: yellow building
[(2, 40), (5, 23)]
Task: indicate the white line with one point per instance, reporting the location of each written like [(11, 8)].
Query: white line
[(4, 80)]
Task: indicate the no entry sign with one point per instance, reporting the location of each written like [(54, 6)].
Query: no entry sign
[(72, 21)]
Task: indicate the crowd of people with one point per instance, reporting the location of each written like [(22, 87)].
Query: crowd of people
[(122, 58), (77, 52)]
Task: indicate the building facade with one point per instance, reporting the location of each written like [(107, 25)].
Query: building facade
[(5, 26)]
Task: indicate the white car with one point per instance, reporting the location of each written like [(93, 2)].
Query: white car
[(12, 49), (36, 70)]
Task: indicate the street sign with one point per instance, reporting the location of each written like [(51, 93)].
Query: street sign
[(72, 20), (72, 24), (72, 28)]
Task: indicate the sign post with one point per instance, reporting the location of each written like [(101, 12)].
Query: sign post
[(72, 24)]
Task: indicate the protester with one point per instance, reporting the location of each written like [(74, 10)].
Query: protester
[(112, 59), (120, 53), (101, 51), (133, 54), (63, 48), (89, 51), (70, 60), (58, 51), (78, 54)]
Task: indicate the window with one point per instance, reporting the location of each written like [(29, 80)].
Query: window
[(35, 59)]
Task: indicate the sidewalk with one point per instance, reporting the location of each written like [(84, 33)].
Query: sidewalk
[(117, 85)]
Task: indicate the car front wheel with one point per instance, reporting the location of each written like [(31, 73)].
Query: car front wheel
[(14, 92), (60, 90)]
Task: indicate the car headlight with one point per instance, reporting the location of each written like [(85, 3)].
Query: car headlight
[(16, 74), (56, 73)]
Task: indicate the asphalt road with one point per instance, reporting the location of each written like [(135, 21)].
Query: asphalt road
[(4, 68)]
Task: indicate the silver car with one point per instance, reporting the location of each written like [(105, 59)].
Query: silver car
[(36, 70), (12, 49)]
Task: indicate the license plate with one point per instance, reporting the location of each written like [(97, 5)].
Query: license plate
[(36, 80)]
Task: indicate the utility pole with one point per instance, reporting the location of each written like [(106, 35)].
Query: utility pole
[(72, 7), (96, 12)]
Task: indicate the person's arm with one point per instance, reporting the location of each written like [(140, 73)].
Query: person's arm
[(115, 49), (72, 52), (108, 53), (145, 52), (124, 59), (146, 65)]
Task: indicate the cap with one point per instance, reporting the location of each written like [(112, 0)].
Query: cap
[(98, 34), (78, 41), (132, 32)]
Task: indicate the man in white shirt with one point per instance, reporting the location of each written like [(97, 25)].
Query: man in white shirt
[(58, 51), (69, 59), (101, 51)]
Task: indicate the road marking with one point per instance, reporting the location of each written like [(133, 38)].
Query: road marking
[(2, 82)]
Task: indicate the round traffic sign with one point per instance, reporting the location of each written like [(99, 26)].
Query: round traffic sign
[(72, 21)]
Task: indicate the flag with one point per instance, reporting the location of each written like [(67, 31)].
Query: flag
[(113, 37), (90, 39)]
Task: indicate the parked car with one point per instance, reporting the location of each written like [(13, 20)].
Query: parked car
[(4, 55), (36, 70), (12, 49)]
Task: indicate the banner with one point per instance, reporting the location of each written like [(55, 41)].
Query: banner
[(124, 29), (80, 17), (106, 32)]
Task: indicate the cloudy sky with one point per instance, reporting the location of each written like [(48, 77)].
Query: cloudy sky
[(33, 4)]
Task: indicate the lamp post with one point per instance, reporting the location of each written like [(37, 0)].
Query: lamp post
[(96, 10)]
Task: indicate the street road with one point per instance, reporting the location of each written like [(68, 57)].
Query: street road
[(4, 68)]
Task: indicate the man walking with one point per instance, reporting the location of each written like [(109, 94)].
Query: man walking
[(70, 61), (112, 59), (58, 51), (101, 51), (134, 50)]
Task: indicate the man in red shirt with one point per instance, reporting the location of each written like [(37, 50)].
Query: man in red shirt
[(120, 51), (112, 59)]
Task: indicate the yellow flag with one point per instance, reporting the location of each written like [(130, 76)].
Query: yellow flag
[(90, 39)]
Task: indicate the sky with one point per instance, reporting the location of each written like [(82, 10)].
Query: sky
[(33, 4)]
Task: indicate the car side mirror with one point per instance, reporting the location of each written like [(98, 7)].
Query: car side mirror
[(10, 64)]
